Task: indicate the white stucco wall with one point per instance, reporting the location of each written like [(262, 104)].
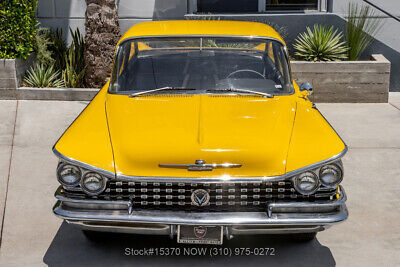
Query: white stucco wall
[(390, 31), (71, 13)]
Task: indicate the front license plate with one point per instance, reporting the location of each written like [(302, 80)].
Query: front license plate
[(197, 234)]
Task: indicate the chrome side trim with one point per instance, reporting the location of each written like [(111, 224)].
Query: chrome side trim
[(83, 165)]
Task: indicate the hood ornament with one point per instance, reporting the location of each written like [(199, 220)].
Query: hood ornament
[(200, 165)]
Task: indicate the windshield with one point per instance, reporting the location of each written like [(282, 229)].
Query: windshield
[(201, 63)]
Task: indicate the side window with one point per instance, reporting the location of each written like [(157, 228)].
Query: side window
[(270, 52), (133, 50), (281, 64), (124, 58), (120, 64), (279, 59)]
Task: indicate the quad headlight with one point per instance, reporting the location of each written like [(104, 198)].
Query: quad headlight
[(330, 175), (93, 183), (71, 176), (306, 183), (68, 175)]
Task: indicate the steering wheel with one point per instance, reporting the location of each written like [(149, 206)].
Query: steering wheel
[(244, 70)]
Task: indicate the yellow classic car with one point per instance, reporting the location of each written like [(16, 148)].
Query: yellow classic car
[(200, 134)]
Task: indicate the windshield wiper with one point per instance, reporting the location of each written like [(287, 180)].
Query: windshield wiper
[(161, 89), (235, 90)]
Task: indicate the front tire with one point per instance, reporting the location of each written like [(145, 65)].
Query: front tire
[(304, 237), (92, 236)]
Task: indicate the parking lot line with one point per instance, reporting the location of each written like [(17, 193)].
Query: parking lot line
[(8, 111)]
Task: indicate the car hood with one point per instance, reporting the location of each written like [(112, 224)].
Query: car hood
[(179, 129)]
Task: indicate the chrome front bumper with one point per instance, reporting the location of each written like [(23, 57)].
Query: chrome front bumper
[(280, 217)]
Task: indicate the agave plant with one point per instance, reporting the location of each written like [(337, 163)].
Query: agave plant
[(42, 76), (320, 44), (361, 27)]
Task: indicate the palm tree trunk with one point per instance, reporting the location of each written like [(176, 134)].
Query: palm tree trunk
[(102, 34)]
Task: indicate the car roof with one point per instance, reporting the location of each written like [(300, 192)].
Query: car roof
[(201, 27)]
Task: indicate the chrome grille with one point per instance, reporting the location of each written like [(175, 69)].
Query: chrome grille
[(223, 196)]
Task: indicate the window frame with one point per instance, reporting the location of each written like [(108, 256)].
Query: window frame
[(322, 7), (285, 50)]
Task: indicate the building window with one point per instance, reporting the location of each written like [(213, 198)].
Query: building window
[(227, 6), (291, 5), (254, 6)]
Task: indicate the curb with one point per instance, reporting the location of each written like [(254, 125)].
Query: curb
[(62, 94)]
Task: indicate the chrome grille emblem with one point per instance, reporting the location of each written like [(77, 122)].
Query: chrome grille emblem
[(200, 197), (200, 165)]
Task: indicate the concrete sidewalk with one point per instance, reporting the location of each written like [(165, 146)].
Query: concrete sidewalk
[(31, 235)]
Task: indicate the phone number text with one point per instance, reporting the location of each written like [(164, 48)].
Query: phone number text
[(200, 251)]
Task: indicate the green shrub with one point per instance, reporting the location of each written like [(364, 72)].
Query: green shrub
[(57, 65), (17, 28), (41, 76), (43, 54), (361, 28), (320, 44), (74, 72)]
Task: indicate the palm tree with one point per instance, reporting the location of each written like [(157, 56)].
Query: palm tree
[(102, 34)]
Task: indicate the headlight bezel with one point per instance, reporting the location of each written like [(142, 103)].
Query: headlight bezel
[(338, 167), (78, 184), (60, 167), (317, 171), (98, 191), (297, 186)]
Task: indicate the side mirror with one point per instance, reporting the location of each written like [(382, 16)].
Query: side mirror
[(306, 87)]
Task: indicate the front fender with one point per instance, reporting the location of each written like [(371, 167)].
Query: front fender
[(87, 139)]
